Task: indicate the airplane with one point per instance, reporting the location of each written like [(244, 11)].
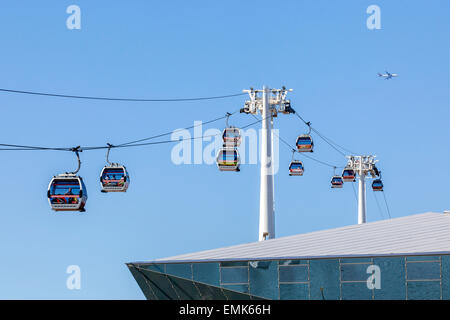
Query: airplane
[(388, 75)]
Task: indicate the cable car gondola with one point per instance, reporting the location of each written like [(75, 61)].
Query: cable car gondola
[(377, 185), (67, 192), (114, 176), (231, 137), (296, 168), (305, 143), (348, 175), (228, 159), (337, 182)]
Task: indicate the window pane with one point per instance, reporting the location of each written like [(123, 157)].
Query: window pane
[(446, 277), (206, 272), (354, 272), (424, 290), (291, 262), (182, 270), (356, 291), (393, 284), (234, 275), (297, 291), (243, 288), (324, 275), (234, 263), (293, 273), (264, 279), (356, 260), (422, 258), (423, 270)]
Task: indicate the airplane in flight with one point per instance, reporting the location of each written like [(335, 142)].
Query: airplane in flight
[(388, 75)]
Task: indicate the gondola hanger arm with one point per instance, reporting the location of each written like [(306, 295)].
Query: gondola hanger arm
[(228, 117), (77, 150), (309, 127), (107, 153), (293, 153)]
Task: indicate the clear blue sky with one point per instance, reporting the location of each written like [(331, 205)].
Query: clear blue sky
[(321, 49)]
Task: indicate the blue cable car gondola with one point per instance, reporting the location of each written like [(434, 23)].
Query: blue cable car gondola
[(231, 137), (296, 168), (337, 182), (114, 176), (67, 192), (305, 143), (228, 159), (377, 185), (348, 175)]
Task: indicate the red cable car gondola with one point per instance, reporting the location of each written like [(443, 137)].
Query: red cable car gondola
[(337, 182), (114, 176), (348, 175), (296, 168), (231, 137), (228, 159), (377, 185), (305, 143), (67, 192)]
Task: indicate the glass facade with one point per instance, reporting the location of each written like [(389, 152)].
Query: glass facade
[(368, 278)]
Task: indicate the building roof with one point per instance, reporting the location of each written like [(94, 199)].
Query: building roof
[(421, 234)]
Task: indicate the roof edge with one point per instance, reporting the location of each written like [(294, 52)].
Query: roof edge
[(367, 255)]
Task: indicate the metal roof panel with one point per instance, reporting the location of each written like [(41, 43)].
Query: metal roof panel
[(421, 234)]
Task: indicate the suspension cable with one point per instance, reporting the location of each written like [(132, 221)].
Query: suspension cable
[(330, 142), (20, 147), (387, 207), (354, 192), (14, 147), (378, 205), (293, 149), (307, 156), (119, 99), (186, 128), (125, 146)]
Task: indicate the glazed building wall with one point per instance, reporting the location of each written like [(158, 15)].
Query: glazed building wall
[(401, 277)]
